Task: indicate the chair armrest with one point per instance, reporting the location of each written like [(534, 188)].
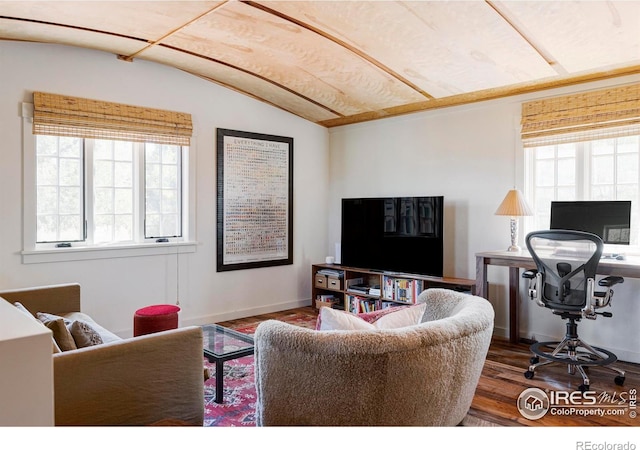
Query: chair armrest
[(529, 274), (610, 281), (136, 381)]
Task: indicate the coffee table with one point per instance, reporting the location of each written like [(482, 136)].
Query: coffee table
[(224, 344)]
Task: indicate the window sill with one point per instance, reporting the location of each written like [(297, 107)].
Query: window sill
[(106, 252)]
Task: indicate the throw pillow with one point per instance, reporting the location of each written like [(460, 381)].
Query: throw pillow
[(61, 333), (84, 335), (341, 320), (26, 312)]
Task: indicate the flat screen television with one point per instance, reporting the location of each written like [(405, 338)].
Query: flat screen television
[(394, 234), (611, 220)]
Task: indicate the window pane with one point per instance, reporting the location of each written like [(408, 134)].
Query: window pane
[(602, 167), (545, 173), (47, 173), (566, 172), (113, 191), (123, 174), (70, 172), (70, 227), (70, 201), (103, 201), (59, 189), (162, 190), (123, 227), (153, 175), (123, 201), (70, 147), (103, 173), (103, 228), (628, 168)]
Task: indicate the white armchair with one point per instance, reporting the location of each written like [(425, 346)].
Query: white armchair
[(423, 375)]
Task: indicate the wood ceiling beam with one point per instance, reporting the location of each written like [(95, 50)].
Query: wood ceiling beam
[(342, 44), (519, 28), (158, 41), (479, 96)]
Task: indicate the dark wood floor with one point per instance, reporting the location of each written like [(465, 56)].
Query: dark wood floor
[(502, 381)]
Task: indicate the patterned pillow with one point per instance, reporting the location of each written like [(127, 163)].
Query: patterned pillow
[(83, 334)]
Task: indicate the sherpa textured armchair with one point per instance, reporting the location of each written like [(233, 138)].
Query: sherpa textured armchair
[(421, 375), (145, 380)]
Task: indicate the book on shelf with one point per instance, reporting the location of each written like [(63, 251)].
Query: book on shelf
[(331, 273), (375, 290), (357, 304), (402, 289)]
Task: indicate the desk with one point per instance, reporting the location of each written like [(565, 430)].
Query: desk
[(523, 260)]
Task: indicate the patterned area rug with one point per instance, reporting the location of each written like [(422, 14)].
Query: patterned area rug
[(239, 407)]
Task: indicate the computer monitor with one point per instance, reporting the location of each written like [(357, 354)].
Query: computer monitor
[(610, 219)]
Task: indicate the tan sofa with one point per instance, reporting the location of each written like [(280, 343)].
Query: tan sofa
[(423, 375), (145, 380)]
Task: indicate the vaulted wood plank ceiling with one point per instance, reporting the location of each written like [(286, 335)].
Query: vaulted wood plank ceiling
[(341, 62)]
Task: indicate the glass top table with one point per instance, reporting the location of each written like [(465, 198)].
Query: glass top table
[(224, 344)]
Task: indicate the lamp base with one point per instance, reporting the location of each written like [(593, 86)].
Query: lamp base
[(514, 248)]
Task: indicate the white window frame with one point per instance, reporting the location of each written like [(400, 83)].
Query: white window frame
[(583, 191), (33, 252)]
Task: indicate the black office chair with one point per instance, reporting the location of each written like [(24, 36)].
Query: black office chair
[(564, 282)]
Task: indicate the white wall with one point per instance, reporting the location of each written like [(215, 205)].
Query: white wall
[(112, 289), (471, 155)]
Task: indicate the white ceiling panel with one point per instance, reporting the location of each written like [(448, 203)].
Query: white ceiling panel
[(340, 62)]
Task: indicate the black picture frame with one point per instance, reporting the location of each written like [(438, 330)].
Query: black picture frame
[(254, 200)]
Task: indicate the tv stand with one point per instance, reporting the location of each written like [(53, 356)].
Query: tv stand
[(358, 290)]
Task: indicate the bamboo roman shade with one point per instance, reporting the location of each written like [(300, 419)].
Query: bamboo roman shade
[(62, 115), (591, 115)]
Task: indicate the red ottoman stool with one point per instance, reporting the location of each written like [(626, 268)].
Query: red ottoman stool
[(154, 318)]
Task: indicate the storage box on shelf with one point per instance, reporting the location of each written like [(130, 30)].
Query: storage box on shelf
[(363, 290)]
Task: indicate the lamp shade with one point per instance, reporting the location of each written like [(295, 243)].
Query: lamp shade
[(514, 205)]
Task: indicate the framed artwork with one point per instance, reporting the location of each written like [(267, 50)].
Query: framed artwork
[(254, 200)]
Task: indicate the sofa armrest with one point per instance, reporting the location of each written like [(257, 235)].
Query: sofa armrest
[(137, 381)]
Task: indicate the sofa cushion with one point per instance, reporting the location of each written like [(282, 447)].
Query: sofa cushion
[(331, 319), (61, 333), (106, 335)]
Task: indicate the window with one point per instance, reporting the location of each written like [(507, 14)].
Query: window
[(583, 147), (105, 180), (601, 169), (94, 203)]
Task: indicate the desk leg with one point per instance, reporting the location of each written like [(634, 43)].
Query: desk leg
[(514, 305), (481, 277)]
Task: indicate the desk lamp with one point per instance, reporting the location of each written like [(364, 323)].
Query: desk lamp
[(514, 205)]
